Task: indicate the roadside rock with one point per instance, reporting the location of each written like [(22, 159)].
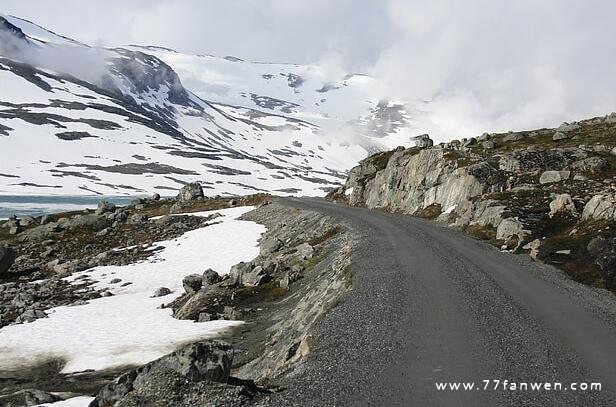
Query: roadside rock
[(190, 192), (199, 362), (511, 231)]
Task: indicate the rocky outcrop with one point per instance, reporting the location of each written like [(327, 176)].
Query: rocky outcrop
[(545, 191), (413, 180)]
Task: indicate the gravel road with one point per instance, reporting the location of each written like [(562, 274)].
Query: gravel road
[(430, 305)]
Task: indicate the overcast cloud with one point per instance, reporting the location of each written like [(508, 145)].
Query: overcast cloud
[(484, 65)]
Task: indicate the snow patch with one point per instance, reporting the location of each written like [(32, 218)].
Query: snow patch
[(129, 328)]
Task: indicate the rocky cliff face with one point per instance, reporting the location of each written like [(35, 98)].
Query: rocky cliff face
[(547, 192)]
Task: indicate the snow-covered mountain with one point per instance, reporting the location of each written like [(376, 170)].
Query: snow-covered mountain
[(77, 120)]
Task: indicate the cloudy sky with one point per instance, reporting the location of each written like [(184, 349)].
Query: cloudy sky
[(482, 64)]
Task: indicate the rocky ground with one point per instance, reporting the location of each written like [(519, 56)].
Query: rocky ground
[(550, 193), (302, 270)]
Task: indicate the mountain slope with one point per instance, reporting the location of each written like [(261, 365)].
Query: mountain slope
[(76, 119)]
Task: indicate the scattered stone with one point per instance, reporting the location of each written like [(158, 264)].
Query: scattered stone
[(271, 245), (305, 250), (161, 292), (115, 281), (562, 203), (137, 218)]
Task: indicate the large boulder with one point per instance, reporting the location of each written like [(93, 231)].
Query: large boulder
[(601, 206), (199, 362), (190, 192), (551, 177), (7, 258)]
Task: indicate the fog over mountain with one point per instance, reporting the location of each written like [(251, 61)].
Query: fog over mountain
[(482, 65)]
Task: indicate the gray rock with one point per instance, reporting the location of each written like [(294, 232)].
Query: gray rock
[(469, 142), (26, 221), (511, 228), (30, 315), (484, 137), (613, 152), (255, 277), (601, 206), (489, 145), (104, 207), (7, 258), (161, 292), (305, 251), (551, 177), (211, 277), (559, 136), (237, 272), (270, 245), (190, 192), (192, 283), (45, 219), (115, 281), (14, 230), (592, 164), (565, 127), (513, 137)]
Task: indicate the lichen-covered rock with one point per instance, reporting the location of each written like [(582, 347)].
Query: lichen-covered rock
[(511, 228)]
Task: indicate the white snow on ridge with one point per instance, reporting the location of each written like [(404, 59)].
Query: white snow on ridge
[(128, 328)]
